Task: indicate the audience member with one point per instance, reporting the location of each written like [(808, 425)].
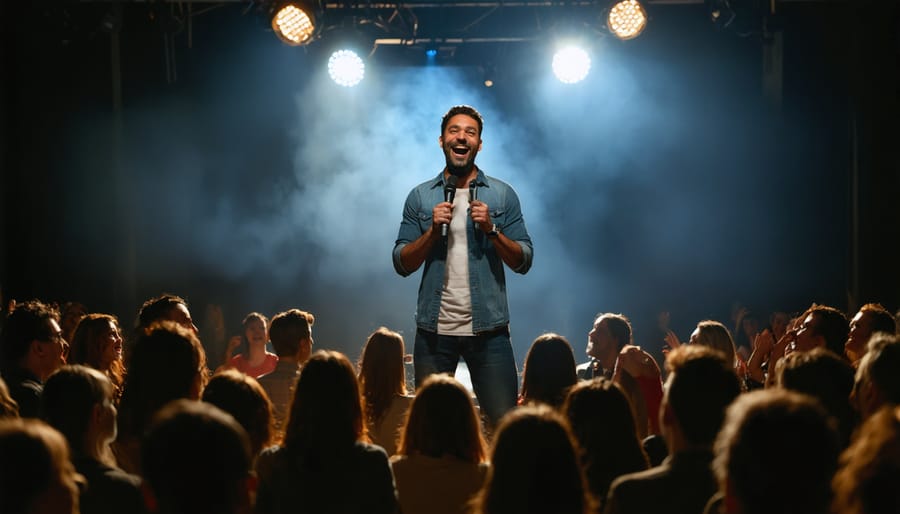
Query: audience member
[(167, 363), (441, 459), (243, 398), (97, 343), (613, 355), (828, 378), (534, 467), (700, 385), (291, 335), (549, 371), (870, 319), (166, 307), (324, 464), (79, 402), (31, 348), (867, 478), (603, 424), (256, 362), (196, 459), (776, 454), (877, 381), (382, 379), (36, 475)]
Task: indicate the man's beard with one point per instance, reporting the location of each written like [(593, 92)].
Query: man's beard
[(460, 170)]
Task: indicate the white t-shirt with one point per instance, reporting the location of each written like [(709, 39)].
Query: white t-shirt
[(455, 317)]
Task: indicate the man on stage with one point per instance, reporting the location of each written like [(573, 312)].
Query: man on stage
[(464, 225)]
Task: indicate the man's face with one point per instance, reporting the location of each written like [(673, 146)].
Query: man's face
[(600, 340), (52, 351), (181, 315), (860, 332), (461, 142), (807, 335)]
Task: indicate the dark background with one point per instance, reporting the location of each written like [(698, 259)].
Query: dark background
[(229, 170)]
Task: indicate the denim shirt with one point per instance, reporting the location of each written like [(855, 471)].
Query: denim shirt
[(487, 284)]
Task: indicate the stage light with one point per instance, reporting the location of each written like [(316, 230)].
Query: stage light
[(294, 23), (346, 68), (431, 53), (571, 64), (627, 19)]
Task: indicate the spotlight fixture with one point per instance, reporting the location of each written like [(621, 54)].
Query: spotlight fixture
[(571, 64), (627, 19), (346, 68), (294, 22)]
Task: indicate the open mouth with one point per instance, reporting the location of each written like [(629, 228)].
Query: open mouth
[(460, 150)]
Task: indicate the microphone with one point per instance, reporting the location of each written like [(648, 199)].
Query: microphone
[(449, 194), (473, 191)]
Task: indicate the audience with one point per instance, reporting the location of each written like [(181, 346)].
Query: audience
[(256, 361), (291, 335), (382, 379), (36, 475), (71, 314), (573, 446), (325, 464), (534, 467), (167, 363), (603, 424), (195, 459), (700, 385), (98, 343), (80, 402), (31, 348), (776, 454), (243, 398), (441, 459), (549, 371)]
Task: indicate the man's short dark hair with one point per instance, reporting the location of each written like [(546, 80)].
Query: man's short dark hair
[(468, 110), (833, 326), (287, 329), (29, 321), (882, 319), (194, 458), (619, 327), (702, 385), (158, 308)]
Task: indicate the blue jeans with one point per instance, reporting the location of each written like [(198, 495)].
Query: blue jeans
[(491, 363)]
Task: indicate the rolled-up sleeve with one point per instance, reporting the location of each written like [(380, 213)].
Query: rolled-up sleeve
[(409, 231), (514, 228)]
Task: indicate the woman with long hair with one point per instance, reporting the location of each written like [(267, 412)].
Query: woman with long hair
[(441, 461), (97, 343), (534, 467), (325, 464), (382, 378), (603, 424), (79, 401), (549, 370)]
